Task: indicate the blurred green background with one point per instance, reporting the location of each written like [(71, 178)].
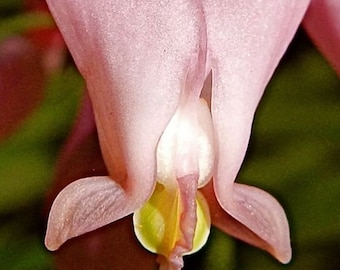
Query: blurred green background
[(294, 154)]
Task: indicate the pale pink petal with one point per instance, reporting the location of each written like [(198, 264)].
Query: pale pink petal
[(322, 22), (115, 242), (242, 64), (84, 206), (135, 56), (246, 40), (188, 188), (263, 215), (256, 218), (243, 58)]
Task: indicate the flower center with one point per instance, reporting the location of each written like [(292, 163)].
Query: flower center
[(176, 219)]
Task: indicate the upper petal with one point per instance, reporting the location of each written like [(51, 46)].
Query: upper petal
[(246, 40), (135, 57), (322, 23)]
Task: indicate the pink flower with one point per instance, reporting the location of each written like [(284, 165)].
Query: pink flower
[(148, 66)]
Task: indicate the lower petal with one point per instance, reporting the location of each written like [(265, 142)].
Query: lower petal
[(255, 217), (84, 206)]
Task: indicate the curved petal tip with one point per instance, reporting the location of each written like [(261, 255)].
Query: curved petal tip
[(253, 216), (263, 215), (84, 206)]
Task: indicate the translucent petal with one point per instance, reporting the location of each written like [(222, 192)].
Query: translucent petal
[(255, 217), (186, 146), (85, 205)]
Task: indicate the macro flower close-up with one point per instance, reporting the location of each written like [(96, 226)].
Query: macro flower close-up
[(145, 65), (162, 140)]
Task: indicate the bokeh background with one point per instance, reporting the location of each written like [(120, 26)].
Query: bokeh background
[(294, 152)]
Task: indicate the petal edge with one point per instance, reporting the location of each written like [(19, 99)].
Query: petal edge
[(85, 205)]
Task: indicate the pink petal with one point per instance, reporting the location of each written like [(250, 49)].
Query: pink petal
[(75, 210), (113, 246), (188, 188), (67, 211), (322, 23), (255, 36), (243, 61), (254, 217), (84, 206), (135, 56)]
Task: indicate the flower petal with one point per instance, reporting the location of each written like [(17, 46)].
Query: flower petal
[(83, 206), (187, 186), (188, 225), (254, 217), (322, 22), (135, 56), (263, 215), (113, 246), (243, 59), (186, 145)]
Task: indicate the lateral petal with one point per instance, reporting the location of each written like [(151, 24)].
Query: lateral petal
[(83, 206), (263, 215), (254, 217), (115, 242)]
